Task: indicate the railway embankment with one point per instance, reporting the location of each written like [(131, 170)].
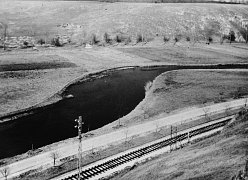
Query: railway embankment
[(223, 156), (100, 142)]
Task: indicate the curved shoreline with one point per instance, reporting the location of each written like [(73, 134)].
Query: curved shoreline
[(96, 132), (48, 101), (99, 73)]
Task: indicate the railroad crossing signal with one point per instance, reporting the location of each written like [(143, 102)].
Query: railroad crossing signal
[(79, 127)]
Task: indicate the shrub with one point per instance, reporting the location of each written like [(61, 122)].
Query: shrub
[(106, 38), (188, 38), (231, 36), (56, 42), (41, 41), (118, 38), (25, 43), (139, 38), (94, 39), (148, 86), (166, 39), (177, 38), (128, 40), (210, 39)]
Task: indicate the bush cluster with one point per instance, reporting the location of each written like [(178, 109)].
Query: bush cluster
[(41, 41), (106, 38), (56, 42), (166, 39), (94, 39), (139, 38)]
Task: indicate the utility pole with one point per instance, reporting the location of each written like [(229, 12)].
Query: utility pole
[(188, 137), (246, 34), (79, 127), (171, 138), (173, 131), (176, 137)]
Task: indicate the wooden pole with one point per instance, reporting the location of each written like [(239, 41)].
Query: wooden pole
[(79, 126), (171, 138), (188, 138)]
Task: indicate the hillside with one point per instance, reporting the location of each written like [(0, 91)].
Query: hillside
[(219, 157), (185, 1), (78, 20), (169, 1)]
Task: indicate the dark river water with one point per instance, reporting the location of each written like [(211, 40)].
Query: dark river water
[(99, 102)]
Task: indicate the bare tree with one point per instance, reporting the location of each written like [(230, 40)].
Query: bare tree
[(148, 86), (54, 156), (194, 29), (5, 172), (4, 26)]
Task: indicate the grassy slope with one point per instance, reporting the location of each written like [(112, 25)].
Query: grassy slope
[(215, 158), (40, 18), (185, 88)]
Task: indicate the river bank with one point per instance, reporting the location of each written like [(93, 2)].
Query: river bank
[(142, 112), (129, 60), (91, 76), (22, 90), (100, 144), (158, 82)]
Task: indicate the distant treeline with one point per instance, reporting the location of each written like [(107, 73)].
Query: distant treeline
[(173, 1), (185, 1)]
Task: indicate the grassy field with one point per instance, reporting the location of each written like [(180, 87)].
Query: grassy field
[(216, 158), (33, 62), (35, 76), (42, 73), (186, 54), (45, 19), (186, 88)]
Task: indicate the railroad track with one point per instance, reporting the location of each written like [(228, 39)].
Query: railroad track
[(110, 164)]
